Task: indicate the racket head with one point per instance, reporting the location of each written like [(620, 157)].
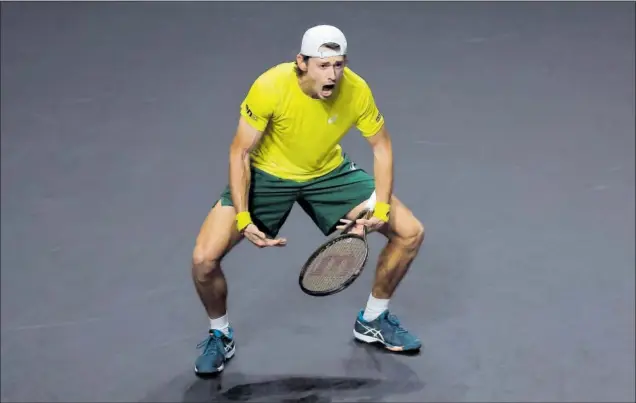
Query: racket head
[(334, 266)]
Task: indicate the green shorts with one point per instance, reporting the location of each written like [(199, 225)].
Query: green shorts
[(326, 199)]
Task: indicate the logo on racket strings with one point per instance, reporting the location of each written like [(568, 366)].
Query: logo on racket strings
[(334, 264)]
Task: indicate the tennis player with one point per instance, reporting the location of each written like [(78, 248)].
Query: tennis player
[(286, 150)]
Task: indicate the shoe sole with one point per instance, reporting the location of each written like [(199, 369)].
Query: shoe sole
[(371, 340), (229, 355)]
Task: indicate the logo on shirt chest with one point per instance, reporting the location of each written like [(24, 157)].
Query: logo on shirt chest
[(332, 119)]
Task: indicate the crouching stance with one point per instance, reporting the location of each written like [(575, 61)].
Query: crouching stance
[(285, 151)]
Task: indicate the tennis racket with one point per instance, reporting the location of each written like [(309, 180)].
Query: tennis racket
[(337, 263)]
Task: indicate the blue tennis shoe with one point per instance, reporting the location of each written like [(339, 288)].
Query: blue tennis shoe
[(217, 348), (386, 330)]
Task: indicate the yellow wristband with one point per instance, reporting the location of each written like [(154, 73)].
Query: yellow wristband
[(381, 211), (243, 219)]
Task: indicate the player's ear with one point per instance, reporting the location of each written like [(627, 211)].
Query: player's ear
[(301, 63)]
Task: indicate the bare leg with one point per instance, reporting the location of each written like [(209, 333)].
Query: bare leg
[(218, 235), (405, 235)]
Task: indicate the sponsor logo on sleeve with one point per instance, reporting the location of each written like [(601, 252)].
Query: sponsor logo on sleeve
[(248, 111)]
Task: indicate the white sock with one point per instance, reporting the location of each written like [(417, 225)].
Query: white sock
[(222, 324), (374, 308)]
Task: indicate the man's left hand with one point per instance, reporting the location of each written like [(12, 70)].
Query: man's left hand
[(372, 224)]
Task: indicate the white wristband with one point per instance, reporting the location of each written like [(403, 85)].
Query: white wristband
[(371, 201)]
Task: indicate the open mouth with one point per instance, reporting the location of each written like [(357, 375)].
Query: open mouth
[(328, 87)]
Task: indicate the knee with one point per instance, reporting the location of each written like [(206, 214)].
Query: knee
[(412, 234), (204, 265)]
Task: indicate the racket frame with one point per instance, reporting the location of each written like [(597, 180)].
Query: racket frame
[(343, 234)]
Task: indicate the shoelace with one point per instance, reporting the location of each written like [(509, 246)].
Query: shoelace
[(395, 322), (209, 345)]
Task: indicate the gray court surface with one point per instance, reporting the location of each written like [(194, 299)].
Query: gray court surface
[(513, 126)]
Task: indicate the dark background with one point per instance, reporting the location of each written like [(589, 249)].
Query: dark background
[(513, 126)]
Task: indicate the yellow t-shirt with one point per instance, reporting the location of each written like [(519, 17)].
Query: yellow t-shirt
[(301, 134)]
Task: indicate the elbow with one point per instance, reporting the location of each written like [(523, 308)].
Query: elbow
[(383, 152), (239, 157), (243, 154), (381, 145), (239, 152)]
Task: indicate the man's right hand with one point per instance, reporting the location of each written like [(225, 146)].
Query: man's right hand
[(261, 240)]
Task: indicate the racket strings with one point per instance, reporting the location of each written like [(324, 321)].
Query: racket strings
[(335, 265)]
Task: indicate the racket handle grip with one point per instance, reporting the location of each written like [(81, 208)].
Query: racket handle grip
[(362, 213)]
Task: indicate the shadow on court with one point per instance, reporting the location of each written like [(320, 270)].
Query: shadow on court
[(371, 375)]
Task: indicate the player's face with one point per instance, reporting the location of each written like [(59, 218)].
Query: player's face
[(324, 74)]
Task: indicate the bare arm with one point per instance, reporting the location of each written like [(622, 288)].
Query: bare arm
[(382, 164), (245, 139)]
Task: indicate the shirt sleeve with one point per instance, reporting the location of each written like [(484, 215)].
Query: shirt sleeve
[(258, 105), (370, 120)]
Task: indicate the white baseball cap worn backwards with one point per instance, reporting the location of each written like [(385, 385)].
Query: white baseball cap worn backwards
[(320, 35)]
